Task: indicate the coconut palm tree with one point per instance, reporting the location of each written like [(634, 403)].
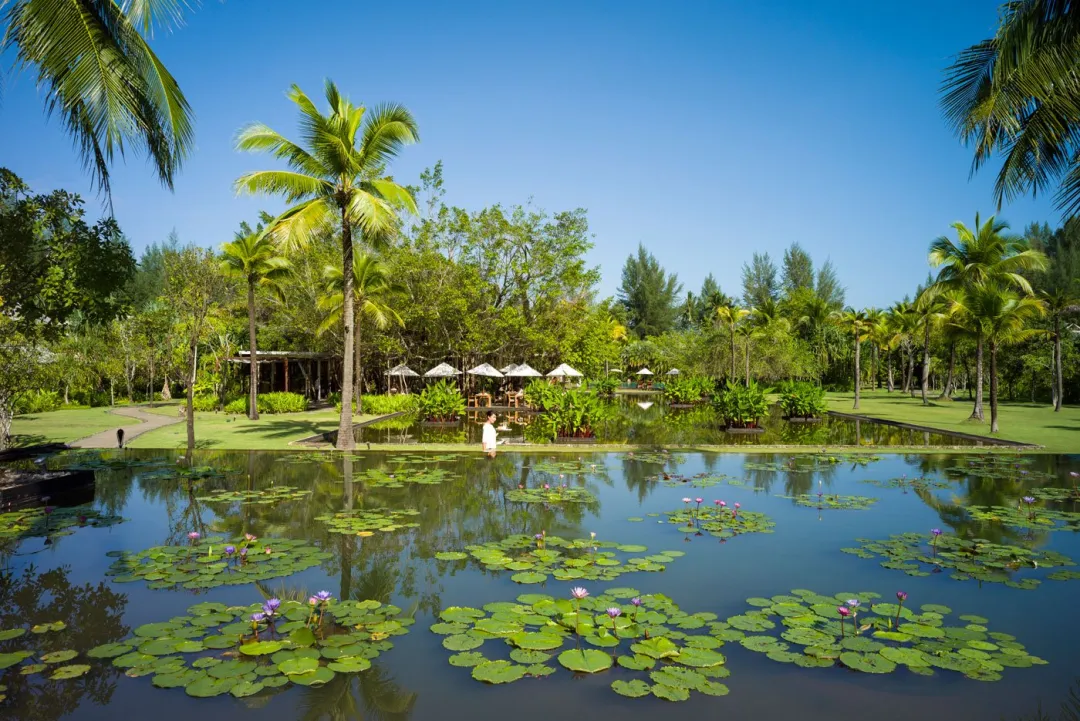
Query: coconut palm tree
[(373, 293), (928, 310), (902, 327), (731, 316), (336, 181), (856, 323), (98, 73), (1061, 302), (1018, 94), (985, 255), (875, 319), (812, 316), (1002, 317), (254, 258)]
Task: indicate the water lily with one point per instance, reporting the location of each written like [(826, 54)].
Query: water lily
[(723, 504), (230, 550), (243, 554), (844, 613), (718, 502), (698, 501), (547, 487), (578, 592), (249, 538), (270, 607), (258, 617), (324, 596), (935, 532), (901, 596), (1029, 500), (267, 550), (635, 601), (193, 536), (686, 500), (614, 612)]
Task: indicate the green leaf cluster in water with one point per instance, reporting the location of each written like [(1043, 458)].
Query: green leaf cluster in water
[(36, 522), (659, 458), (398, 477), (700, 480), (367, 522), (213, 650), (555, 467), (556, 494), (533, 561), (832, 501), (1000, 467), (979, 559), (205, 564), (262, 496), (912, 484), (805, 628), (1057, 495), (722, 522), (89, 460), (33, 659), (653, 648), (810, 462), (1027, 516)]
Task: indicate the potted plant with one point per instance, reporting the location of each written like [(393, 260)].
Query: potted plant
[(442, 403), (741, 407), (803, 402), (572, 416)]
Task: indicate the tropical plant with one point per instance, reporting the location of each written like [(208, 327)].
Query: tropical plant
[(373, 293), (442, 402), (339, 180), (1018, 94), (740, 405), (541, 393), (686, 389), (1060, 303), (100, 75), (731, 316), (572, 413), (254, 258), (802, 400), (605, 386), (855, 323), (985, 255), (1001, 316)]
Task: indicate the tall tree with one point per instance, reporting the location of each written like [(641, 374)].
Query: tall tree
[(338, 180), (828, 286), (1018, 94), (649, 294), (97, 71), (857, 325), (985, 255), (732, 316), (928, 311), (253, 257), (797, 271), (374, 295), (759, 281)]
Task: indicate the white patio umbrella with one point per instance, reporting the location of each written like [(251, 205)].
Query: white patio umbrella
[(673, 372), (645, 372), (565, 371), (486, 370), (402, 371), (614, 370), (443, 370), (524, 371), (508, 368)]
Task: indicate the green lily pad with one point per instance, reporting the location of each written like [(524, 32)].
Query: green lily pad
[(467, 659), (462, 642), (497, 672), (670, 693), (206, 687), (318, 677), (585, 660), (260, 648), (867, 663), (635, 688), (59, 656)]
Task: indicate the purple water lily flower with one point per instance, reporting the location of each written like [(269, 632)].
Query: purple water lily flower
[(1029, 500), (635, 601), (270, 607), (901, 596), (686, 500), (258, 617), (614, 612), (193, 536), (578, 592), (935, 531), (853, 603), (243, 553), (230, 550), (844, 611), (324, 596)]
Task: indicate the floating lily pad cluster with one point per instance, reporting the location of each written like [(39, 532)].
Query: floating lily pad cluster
[(550, 494), (216, 649), (96, 461), (979, 559), (193, 474), (660, 458), (51, 522), (719, 519), (368, 522), (415, 459), (1057, 495), (534, 558), (832, 501), (809, 462), (699, 480), (306, 457), (262, 496), (856, 631), (917, 483), (1027, 515), (554, 467), (208, 563), (397, 478), (1000, 467), (51, 664), (647, 644)]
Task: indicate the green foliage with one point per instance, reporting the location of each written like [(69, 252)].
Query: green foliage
[(604, 386), (442, 401), (687, 388), (38, 401), (648, 293), (572, 413), (382, 404), (802, 400), (277, 402), (741, 406), (207, 403), (542, 393)]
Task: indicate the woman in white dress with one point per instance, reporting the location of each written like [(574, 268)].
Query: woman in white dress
[(487, 440)]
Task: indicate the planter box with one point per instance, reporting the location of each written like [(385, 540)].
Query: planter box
[(572, 439), (744, 431), (803, 420)]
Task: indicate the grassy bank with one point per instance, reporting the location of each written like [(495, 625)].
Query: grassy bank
[(234, 432), (1025, 422), (61, 426)]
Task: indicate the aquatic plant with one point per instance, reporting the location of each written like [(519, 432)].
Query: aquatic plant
[(803, 628), (676, 651), (51, 522), (718, 522), (368, 522), (1025, 515), (215, 650), (200, 566), (546, 494), (262, 496), (912, 484), (397, 478), (975, 558), (832, 502), (40, 651)]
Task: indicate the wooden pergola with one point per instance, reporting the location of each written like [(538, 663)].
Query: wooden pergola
[(319, 373)]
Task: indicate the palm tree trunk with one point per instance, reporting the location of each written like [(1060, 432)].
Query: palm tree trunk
[(193, 359), (345, 441), (732, 351), (1059, 388), (359, 369), (877, 378), (950, 380), (925, 363), (977, 411), (993, 387), (891, 379), (253, 381), (858, 371), (748, 362)]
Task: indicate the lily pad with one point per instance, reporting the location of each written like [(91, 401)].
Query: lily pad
[(585, 660), (497, 672), (634, 688)]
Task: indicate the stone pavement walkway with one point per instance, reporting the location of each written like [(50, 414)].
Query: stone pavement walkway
[(147, 422)]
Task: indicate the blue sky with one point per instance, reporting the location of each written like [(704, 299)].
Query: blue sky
[(705, 131)]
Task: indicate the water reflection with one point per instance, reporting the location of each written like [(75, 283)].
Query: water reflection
[(370, 696)]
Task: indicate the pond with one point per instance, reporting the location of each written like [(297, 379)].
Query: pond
[(745, 593), (648, 420)]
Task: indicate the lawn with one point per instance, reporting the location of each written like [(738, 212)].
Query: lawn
[(61, 426), (1026, 422), (221, 431)]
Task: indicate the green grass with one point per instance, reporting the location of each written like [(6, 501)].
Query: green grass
[(62, 426), (235, 432), (1025, 422)]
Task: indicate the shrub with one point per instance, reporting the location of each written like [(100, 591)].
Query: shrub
[(442, 401), (539, 393), (572, 413), (687, 389), (271, 403), (38, 401), (205, 403), (604, 387), (802, 400), (741, 406)]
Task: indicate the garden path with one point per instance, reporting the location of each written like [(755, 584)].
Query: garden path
[(146, 422)]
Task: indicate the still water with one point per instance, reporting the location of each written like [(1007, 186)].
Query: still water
[(66, 580), (648, 420)]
